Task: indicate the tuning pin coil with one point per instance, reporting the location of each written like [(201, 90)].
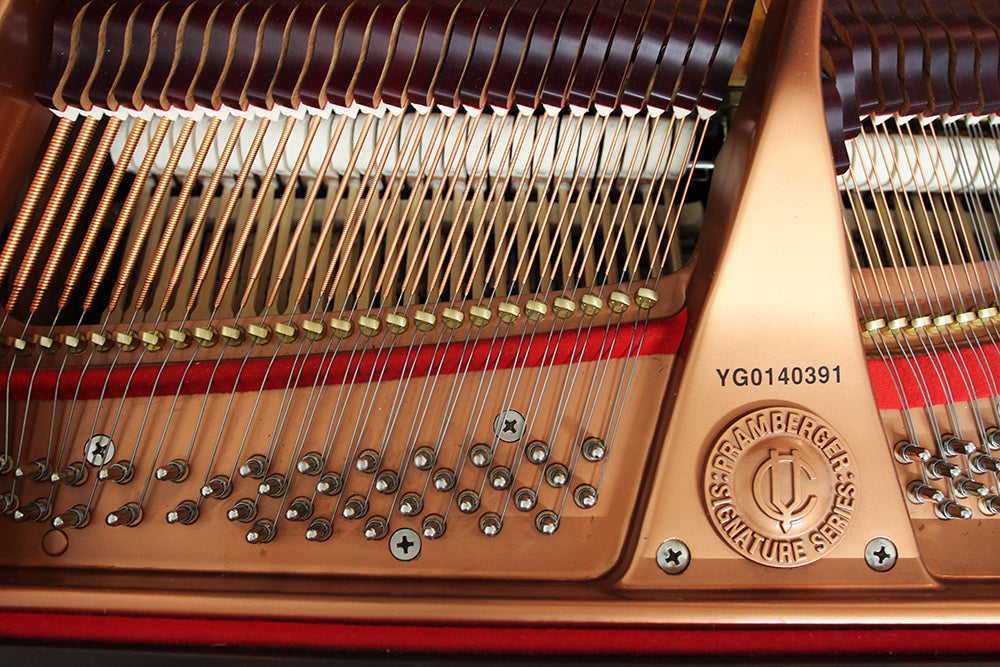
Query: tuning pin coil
[(524, 499), (77, 516), (376, 528), (175, 471), (255, 467), (319, 530), (73, 474), (310, 464), (36, 470), (129, 515), (218, 487), (120, 473), (273, 485), (299, 509), (490, 524), (185, 513), (262, 532), (243, 511), (330, 483), (36, 510)]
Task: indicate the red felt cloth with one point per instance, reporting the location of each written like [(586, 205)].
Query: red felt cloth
[(703, 641), (661, 337), (973, 363)]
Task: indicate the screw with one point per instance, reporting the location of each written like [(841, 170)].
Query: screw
[(673, 556), (98, 450), (509, 425), (880, 554), (404, 544)]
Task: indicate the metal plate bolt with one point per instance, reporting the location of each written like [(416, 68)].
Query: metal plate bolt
[(673, 556), (509, 425), (880, 554), (404, 544), (99, 450)]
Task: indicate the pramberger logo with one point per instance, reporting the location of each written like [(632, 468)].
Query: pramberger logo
[(780, 487)]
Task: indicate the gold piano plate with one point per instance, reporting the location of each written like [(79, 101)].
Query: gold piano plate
[(457, 473)]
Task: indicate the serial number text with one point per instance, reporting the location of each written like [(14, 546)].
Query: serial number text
[(756, 377)]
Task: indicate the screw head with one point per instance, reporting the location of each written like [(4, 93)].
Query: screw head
[(98, 450), (404, 544), (880, 554), (509, 425), (673, 556)]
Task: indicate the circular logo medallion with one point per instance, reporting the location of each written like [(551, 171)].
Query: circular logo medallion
[(780, 487)]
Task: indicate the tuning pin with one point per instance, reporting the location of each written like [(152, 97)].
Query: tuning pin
[(387, 481), (129, 514), (175, 471), (310, 464), (319, 530), (410, 504), (37, 470), (424, 458), (949, 509), (243, 511), (254, 467), (74, 474), (965, 487), (468, 501), (355, 507), (299, 509), (262, 532), (376, 528), (919, 492), (500, 477), (490, 524), (6, 463), (585, 496), (992, 440), (444, 479), (907, 452), (938, 468), (593, 450), (77, 516), (186, 513), (547, 522), (119, 473), (330, 483), (990, 505), (433, 526), (367, 461), (955, 446), (36, 510), (480, 455), (8, 502), (273, 485), (983, 463), (524, 499), (537, 452), (556, 475), (218, 487)]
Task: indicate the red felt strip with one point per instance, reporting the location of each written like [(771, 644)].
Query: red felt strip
[(244, 633), (661, 337), (937, 372)]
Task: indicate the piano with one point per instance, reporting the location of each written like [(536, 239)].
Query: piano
[(439, 325)]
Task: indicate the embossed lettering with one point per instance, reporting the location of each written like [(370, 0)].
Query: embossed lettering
[(779, 485), (807, 428), (757, 427), (794, 419), (777, 421)]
